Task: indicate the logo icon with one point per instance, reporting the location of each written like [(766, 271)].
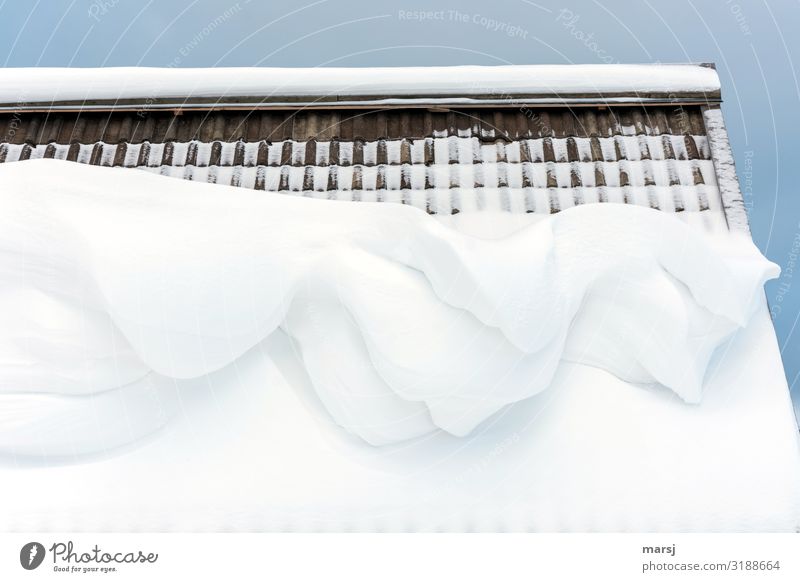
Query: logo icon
[(31, 555)]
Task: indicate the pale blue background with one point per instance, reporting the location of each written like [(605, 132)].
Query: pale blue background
[(753, 42)]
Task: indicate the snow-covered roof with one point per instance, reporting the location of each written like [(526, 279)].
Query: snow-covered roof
[(26, 87), (444, 162), (446, 139), (484, 164)]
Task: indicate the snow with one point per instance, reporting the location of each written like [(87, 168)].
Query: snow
[(22, 86), (732, 200), (253, 449), (184, 298), (257, 330)]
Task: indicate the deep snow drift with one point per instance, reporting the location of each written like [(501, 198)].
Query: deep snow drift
[(404, 324)]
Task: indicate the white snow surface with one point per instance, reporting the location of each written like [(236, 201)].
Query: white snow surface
[(257, 330), (41, 84), (405, 325)]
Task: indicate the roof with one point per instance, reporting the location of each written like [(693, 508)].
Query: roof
[(323, 87), (524, 156), (447, 139)]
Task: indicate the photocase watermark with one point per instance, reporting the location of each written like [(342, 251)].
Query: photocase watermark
[(199, 37), (569, 20), (531, 113), (99, 8), (13, 125), (471, 472), (788, 268), (208, 30), (746, 179), (31, 555), (492, 25), (65, 558), (680, 115), (739, 17)]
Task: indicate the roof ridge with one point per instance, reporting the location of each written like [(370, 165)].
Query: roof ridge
[(254, 87)]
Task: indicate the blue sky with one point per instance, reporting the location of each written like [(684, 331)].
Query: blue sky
[(752, 42)]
